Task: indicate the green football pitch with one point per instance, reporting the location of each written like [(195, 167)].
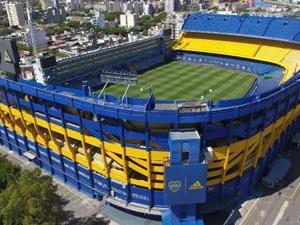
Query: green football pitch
[(178, 80)]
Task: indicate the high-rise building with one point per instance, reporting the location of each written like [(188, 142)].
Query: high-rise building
[(35, 36), (56, 15), (175, 23), (138, 7), (45, 68), (53, 3), (113, 6), (98, 19), (73, 5), (127, 7), (148, 9), (15, 13), (171, 6), (43, 4), (128, 20)]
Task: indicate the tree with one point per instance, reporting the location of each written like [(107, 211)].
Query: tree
[(112, 16), (22, 46), (31, 200), (4, 23), (8, 173)]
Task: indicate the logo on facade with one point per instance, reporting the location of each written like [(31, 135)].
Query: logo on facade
[(196, 186), (175, 185), (7, 57)]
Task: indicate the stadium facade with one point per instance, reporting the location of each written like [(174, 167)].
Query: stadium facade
[(121, 148)]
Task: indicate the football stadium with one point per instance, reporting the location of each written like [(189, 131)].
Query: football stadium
[(160, 128)]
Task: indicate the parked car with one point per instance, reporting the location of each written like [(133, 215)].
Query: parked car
[(278, 170)]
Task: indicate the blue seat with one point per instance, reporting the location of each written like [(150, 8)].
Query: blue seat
[(255, 26), (266, 27), (283, 29)]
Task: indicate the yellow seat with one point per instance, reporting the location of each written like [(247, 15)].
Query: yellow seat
[(283, 54)]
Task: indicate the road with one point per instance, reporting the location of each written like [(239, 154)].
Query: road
[(279, 207)]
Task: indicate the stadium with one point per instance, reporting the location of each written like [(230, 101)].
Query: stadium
[(218, 104)]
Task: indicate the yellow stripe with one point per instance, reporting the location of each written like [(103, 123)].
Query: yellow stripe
[(139, 161)]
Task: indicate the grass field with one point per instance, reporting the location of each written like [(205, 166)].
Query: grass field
[(179, 80)]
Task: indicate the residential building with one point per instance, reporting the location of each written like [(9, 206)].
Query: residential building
[(98, 19), (138, 7), (56, 15), (15, 13), (128, 20), (35, 36), (73, 5), (113, 6), (175, 23), (148, 9), (171, 6)]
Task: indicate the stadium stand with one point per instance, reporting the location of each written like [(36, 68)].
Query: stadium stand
[(88, 66), (288, 29), (217, 44), (275, 52), (106, 149), (261, 25), (273, 28)]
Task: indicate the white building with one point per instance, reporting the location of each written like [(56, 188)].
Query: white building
[(128, 20), (98, 19), (35, 36), (138, 7), (175, 23), (171, 6), (113, 6), (127, 7), (73, 5), (15, 13), (45, 69), (148, 9)]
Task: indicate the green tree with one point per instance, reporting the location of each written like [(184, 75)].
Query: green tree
[(22, 46), (112, 30), (4, 23), (8, 173), (31, 200), (112, 16)]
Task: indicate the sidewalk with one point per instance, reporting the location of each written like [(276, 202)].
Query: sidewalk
[(82, 208)]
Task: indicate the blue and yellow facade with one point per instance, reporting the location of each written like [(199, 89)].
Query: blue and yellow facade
[(118, 151), (73, 144)]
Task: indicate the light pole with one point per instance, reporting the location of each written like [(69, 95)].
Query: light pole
[(149, 87), (210, 98)]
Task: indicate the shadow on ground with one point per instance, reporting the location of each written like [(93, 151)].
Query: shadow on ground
[(70, 219), (92, 220)]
